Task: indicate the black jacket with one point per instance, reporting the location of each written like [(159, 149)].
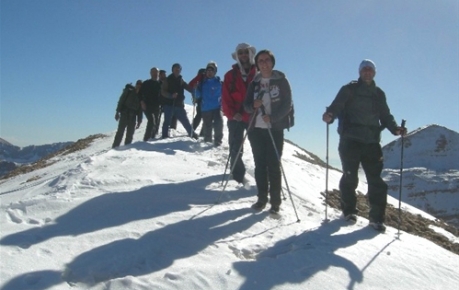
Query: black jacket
[(173, 85), (150, 93), (362, 111)]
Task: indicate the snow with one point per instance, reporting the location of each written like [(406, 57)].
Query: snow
[(144, 216), (430, 171)]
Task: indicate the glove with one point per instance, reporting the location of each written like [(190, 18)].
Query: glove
[(401, 131), (117, 116)]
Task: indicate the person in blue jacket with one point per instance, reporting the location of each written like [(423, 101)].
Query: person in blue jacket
[(210, 93)]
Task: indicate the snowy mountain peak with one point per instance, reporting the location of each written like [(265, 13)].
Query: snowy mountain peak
[(430, 179), (434, 147)]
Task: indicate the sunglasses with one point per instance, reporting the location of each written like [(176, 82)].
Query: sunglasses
[(243, 51)]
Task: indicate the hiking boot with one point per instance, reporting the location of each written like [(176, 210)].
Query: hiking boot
[(259, 205), (351, 218), (274, 209), (380, 227)]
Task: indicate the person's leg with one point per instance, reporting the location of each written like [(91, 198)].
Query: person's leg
[(349, 152), (180, 113), (235, 139), (207, 125), (274, 170), (372, 163), (197, 118), (167, 112), (150, 123), (259, 146), (130, 128), (156, 116), (218, 127), (122, 123)]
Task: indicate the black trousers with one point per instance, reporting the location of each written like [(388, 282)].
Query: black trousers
[(127, 121), (236, 132), (152, 115), (213, 120), (352, 154), (267, 163)]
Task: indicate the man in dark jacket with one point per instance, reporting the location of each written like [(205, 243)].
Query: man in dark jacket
[(127, 111), (150, 101), (363, 113), (173, 92)]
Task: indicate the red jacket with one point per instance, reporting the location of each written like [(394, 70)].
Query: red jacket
[(233, 92)]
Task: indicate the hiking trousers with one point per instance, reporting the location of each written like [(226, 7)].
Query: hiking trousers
[(126, 123), (267, 164), (352, 154), (213, 120), (180, 114), (236, 132), (152, 115)]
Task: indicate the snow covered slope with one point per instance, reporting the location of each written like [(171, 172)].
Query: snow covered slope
[(144, 216)]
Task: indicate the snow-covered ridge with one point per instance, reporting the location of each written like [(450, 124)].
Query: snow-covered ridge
[(144, 216)]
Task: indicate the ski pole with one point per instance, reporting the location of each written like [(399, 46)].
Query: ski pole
[(280, 163), (326, 176), (237, 155), (231, 146), (282, 170), (194, 108), (401, 178)]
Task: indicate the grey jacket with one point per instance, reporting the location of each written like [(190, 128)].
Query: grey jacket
[(362, 111), (281, 99)]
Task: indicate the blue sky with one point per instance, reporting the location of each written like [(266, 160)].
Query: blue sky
[(64, 63)]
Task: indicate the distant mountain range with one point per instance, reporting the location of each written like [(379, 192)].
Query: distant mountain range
[(12, 156), (430, 178)]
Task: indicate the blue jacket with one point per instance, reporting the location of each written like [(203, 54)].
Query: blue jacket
[(210, 91)]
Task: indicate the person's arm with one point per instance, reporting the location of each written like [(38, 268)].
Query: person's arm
[(337, 106)]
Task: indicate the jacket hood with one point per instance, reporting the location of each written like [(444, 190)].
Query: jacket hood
[(277, 75)]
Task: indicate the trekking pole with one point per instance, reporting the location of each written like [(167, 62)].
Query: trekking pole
[(326, 177), (237, 155), (401, 178), (282, 170), (229, 155), (194, 109)]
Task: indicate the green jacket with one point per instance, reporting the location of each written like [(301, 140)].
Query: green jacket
[(129, 102), (362, 111)]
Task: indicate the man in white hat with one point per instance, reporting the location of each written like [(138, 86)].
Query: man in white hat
[(234, 88), (363, 113)]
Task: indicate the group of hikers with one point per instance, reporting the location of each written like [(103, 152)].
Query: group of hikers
[(257, 102)]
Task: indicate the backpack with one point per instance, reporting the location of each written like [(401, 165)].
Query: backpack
[(291, 117), (132, 101)]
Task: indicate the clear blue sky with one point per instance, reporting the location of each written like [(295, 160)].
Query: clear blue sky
[(64, 63)]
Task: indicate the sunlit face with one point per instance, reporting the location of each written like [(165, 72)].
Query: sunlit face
[(264, 63), (176, 70), (367, 74), (154, 73), (243, 55), (210, 72)]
